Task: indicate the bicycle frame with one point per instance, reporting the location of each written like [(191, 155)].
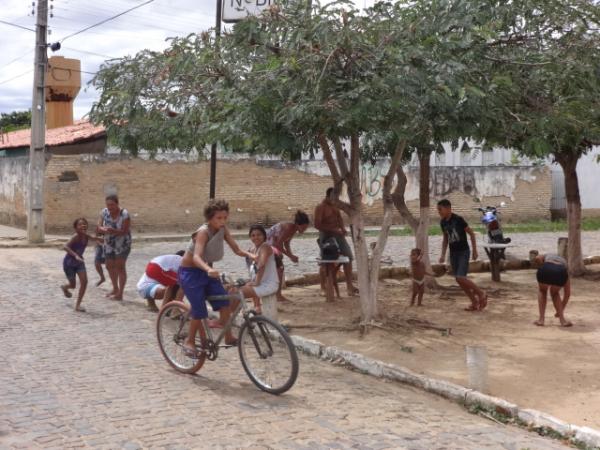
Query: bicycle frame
[(242, 306)]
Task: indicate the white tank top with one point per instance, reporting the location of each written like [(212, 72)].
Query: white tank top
[(214, 248), (270, 276)]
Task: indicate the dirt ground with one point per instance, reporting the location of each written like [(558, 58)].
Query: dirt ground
[(552, 369)]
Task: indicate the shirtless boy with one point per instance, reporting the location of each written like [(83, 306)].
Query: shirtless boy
[(418, 272)]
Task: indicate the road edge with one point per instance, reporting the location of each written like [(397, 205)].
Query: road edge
[(538, 421)]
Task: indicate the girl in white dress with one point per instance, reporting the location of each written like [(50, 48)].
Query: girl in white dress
[(265, 282)]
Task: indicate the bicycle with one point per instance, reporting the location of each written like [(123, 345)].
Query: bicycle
[(266, 350)]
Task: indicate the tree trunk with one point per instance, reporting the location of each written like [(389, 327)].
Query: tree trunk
[(568, 163), (422, 231), (367, 269), (419, 227)]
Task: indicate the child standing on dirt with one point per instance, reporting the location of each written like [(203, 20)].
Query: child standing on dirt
[(73, 263), (455, 230), (99, 258), (418, 272)]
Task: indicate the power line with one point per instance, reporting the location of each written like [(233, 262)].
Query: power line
[(89, 53), (15, 77), (106, 20), (16, 25), (16, 59)]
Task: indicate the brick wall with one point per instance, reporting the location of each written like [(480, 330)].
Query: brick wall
[(169, 196)]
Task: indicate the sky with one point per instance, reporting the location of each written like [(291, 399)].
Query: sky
[(145, 28)]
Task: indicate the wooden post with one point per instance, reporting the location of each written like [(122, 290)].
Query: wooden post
[(35, 216)]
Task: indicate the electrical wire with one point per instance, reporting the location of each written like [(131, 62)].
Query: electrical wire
[(106, 20), (16, 25), (16, 59), (15, 77)]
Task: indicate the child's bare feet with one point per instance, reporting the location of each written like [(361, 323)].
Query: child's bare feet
[(353, 292), (100, 281), (471, 308), (565, 323), (65, 290), (539, 323), (79, 309), (111, 294), (483, 301)]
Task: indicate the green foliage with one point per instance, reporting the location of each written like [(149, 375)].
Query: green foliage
[(15, 120)]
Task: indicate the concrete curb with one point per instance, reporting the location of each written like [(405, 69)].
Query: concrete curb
[(469, 398), (401, 272)]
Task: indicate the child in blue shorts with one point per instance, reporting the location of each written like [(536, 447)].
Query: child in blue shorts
[(73, 263), (199, 279)]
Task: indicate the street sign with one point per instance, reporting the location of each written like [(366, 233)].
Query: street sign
[(236, 10)]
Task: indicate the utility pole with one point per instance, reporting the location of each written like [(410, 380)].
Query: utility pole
[(213, 147), (35, 216)]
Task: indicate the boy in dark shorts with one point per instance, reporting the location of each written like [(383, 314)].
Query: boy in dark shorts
[(455, 230)]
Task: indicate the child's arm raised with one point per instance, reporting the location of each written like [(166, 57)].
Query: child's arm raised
[(96, 239), (236, 248)]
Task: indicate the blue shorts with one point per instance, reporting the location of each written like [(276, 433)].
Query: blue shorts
[(72, 270), (197, 285), (460, 262)]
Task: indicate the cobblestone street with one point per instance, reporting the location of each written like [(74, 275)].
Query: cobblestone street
[(97, 379)]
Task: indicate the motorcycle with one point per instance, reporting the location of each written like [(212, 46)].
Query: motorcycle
[(490, 217)]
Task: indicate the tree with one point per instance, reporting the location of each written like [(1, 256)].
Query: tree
[(292, 81), (544, 71), (440, 45), (15, 120)]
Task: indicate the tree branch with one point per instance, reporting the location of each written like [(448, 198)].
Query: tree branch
[(399, 200), (341, 159), (388, 203), (335, 174)]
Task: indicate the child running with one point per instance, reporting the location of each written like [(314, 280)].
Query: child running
[(73, 263), (197, 277), (418, 272), (265, 280), (455, 230)]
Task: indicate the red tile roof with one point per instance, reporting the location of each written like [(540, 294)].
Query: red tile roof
[(81, 130)]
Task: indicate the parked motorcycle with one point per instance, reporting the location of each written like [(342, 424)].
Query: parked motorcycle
[(490, 217)]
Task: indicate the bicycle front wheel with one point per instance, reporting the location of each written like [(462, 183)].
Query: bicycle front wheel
[(172, 329), (268, 355)]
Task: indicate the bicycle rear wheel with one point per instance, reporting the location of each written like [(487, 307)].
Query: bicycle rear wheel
[(172, 328), (268, 355)]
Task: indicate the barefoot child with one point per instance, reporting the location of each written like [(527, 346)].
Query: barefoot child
[(455, 230), (197, 277), (265, 280), (99, 259), (552, 276), (73, 264), (418, 272)]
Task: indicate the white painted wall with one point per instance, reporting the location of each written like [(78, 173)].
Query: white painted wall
[(588, 172)]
